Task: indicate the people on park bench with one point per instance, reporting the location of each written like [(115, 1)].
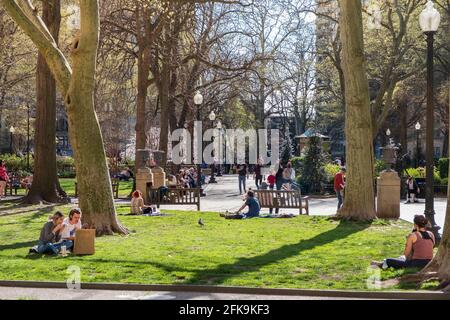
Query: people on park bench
[(253, 208), (71, 225), (4, 178), (418, 250), (413, 190), (26, 182), (339, 186), (125, 175), (137, 204), (50, 239)]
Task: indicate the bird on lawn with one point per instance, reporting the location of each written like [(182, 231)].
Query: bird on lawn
[(200, 222)]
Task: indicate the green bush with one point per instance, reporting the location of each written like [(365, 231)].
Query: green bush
[(421, 173), (297, 162), (331, 169), (444, 181), (380, 166), (443, 167), (16, 163)]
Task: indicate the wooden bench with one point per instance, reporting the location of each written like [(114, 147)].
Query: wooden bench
[(282, 200), (13, 184), (175, 196), (114, 185)]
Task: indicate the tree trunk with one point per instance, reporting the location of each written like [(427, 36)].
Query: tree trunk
[(359, 201), (77, 85), (94, 184), (142, 88), (46, 185), (164, 112)]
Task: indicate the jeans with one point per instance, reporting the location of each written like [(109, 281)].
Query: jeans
[(242, 180), (54, 248), (340, 198), (400, 263), (258, 181)]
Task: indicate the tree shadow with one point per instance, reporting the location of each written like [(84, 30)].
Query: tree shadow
[(225, 271), (18, 245)]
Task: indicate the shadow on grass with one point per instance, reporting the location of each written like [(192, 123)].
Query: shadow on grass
[(18, 245), (225, 271)]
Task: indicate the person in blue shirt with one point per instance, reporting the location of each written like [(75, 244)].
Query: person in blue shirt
[(253, 208)]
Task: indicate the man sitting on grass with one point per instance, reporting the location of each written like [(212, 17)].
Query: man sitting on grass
[(253, 208), (71, 225)]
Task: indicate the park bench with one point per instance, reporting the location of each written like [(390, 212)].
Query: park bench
[(174, 196), (283, 200), (114, 185), (13, 184)]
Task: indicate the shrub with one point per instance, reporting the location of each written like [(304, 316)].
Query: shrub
[(380, 166), (421, 174), (16, 163), (312, 168), (331, 170), (443, 167), (297, 162)]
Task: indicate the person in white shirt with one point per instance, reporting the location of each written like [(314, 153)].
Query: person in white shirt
[(72, 224)]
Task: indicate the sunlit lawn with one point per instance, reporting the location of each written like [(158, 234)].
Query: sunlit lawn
[(69, 186), (304, 252)]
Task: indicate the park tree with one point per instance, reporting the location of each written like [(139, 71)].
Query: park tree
[(76, 83), (358, 124), (46, 185)]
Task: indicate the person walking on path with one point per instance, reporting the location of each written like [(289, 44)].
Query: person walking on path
[(242, 171), (258, 174), (339, 185), (279, 181), (4, 178)]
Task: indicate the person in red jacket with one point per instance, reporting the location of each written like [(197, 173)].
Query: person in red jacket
[(4, 179), (339, 185)]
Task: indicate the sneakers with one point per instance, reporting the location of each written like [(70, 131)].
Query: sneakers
[(407, 201)]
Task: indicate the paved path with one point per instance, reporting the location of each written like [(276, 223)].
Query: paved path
[(11, 293), (225, 196)]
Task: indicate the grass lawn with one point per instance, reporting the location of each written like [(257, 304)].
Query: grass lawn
[(304, 252), (69, 186)]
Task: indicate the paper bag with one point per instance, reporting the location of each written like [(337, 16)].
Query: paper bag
[(84, 242)]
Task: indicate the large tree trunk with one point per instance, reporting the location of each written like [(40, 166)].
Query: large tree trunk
[(359, 201), (46, 185), (142, 86), (95, 193)]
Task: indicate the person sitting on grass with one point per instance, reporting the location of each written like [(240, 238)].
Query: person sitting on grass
[(50, 237), (137, 204), (418, 250), (71, 225), (253, 208)]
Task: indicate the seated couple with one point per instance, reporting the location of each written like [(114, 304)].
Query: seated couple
[(58, 232), (418, 250), (253, 208), (138, 206)]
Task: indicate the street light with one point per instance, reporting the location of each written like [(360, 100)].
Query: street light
[(12, 130), (212, 118), (219, 169), (429, 21), (418, 126), (28, 137), (198, 100)]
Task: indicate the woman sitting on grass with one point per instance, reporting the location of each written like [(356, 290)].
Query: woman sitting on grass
[(418, 249), (253, 208), (137, 204)]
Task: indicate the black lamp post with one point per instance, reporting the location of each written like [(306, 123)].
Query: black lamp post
[(28, 137), (212, 117), (198, 100), (219, 169), (12, 130), (418, 126), (429, 23)]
